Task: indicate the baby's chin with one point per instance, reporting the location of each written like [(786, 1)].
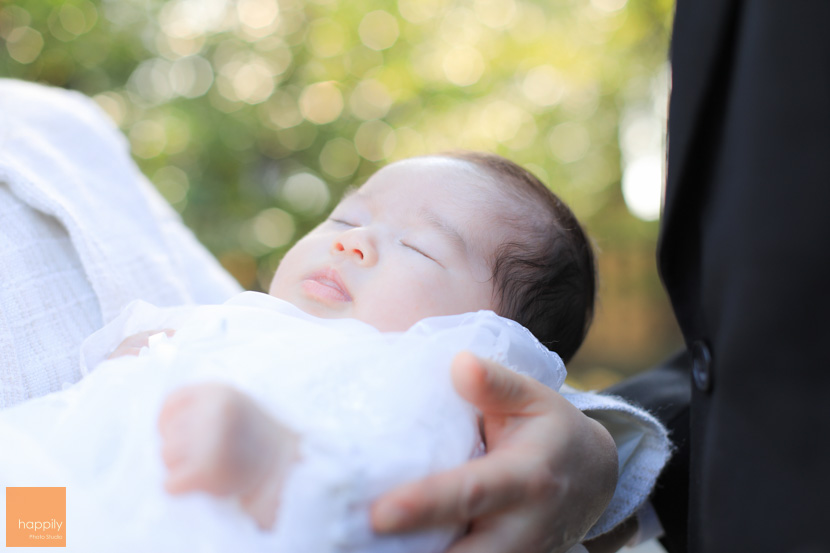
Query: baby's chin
[(384, 322), (317, 308)]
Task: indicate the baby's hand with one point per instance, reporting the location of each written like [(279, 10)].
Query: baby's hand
[(218, 440), (133, 344)]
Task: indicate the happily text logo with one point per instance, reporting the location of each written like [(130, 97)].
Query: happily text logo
[(35, 517)]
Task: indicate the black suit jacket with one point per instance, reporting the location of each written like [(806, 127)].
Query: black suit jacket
[(745, 256)]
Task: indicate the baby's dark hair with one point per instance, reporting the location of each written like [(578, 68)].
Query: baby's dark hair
[(546, 281)]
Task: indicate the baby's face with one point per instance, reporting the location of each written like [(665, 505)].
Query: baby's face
[(413, 242)]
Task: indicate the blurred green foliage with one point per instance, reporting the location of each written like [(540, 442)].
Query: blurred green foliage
[(253, 116)]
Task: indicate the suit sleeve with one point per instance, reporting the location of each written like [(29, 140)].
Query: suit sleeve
[(665, 391)]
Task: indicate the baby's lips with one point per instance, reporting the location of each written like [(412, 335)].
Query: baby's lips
[(327, 284)]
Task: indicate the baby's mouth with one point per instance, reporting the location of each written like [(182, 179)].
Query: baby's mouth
[(326, 285)]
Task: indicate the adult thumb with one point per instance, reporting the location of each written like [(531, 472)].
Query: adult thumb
[(493, 388)]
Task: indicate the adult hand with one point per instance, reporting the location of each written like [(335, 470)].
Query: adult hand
[(614, 540), (548, 474)]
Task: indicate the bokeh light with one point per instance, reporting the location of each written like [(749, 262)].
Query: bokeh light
[(24, 44), (338, 158), (378, 30), (253, 116), (306, 193), (321, 103), (463, 65)]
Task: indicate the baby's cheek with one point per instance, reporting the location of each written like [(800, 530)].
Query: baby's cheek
[(429, 302), (392, 312)]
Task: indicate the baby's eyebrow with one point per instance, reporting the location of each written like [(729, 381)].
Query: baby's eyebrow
[(445, 228)]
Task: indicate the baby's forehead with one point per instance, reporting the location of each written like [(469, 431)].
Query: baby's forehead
[(457, 187), (432, 178), (451, 192)]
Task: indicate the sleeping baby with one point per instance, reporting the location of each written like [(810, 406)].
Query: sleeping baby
[(274, 420)]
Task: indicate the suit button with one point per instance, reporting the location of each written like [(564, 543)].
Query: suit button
[(701, 365)]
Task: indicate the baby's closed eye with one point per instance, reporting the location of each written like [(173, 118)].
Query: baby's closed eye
[(342, 222), (418, 250)]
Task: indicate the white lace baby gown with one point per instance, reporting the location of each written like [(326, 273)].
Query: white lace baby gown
[(373, 410)]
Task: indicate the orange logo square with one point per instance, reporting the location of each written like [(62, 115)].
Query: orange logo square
[(35, 517)]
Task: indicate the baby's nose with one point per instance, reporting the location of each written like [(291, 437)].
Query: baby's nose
[(356, 244), (340, 247)]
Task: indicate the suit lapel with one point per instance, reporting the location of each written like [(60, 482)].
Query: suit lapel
[(701, 48)]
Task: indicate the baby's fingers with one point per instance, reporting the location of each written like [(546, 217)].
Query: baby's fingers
[(194, 467), (174, 452), (185, 478), (132, 345)]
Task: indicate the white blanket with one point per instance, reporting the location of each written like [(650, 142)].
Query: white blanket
[(373, 410)]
